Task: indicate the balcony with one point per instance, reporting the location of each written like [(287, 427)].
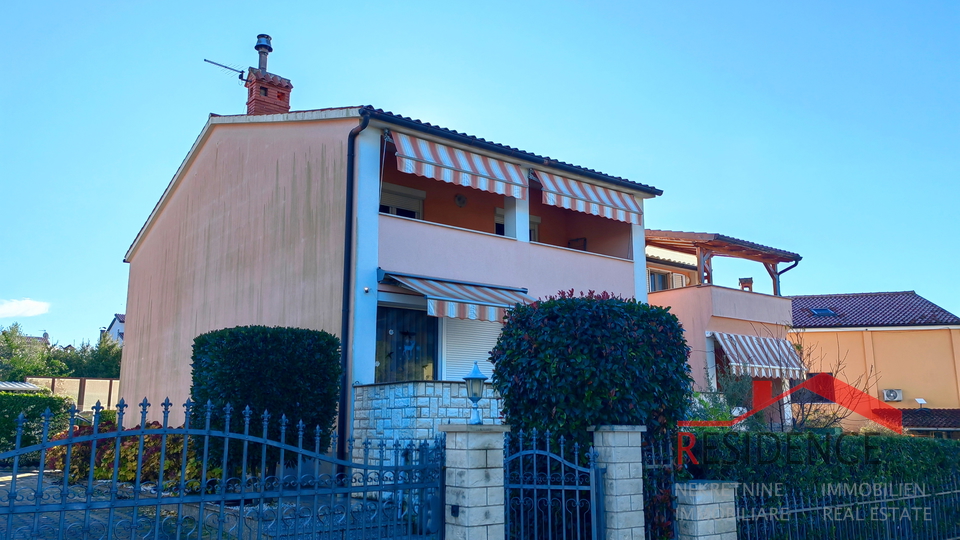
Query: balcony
[(707, 301), (431, 249)]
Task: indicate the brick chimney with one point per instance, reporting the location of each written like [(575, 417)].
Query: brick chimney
[(266, 93)]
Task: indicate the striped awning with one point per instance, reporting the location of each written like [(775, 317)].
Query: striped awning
[(588, 198), (761, 356), (460, 300), (455, 166)]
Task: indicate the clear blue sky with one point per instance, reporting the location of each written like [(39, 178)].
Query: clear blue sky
[(831, 129)]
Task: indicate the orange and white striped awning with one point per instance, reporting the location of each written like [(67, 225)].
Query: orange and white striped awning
[(455, 166), (461, 300), (761, 356), (588, 198)]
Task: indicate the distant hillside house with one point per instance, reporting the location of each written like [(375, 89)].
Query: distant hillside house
[(115, 329)]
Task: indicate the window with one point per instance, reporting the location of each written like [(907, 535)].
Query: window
[(406, 345), (466, 342), (804, 396), (500, 229), (659, 281), (823, 312), (402, 201)]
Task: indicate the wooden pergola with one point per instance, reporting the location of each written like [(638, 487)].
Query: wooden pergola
[(705, 246)]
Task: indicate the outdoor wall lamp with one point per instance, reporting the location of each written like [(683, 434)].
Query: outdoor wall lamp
[(474, 382)]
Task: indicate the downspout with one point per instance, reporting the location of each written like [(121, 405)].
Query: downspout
[(342, 427), (776, 276)]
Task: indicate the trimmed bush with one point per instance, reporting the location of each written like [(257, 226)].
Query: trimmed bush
[(286, 371), (32, 405), (890, 459), (566, 363)]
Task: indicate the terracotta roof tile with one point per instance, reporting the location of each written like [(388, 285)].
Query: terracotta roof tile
[(905, 308), (931, 418)]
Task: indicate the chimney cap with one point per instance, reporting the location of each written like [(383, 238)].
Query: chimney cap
[(263, 43)]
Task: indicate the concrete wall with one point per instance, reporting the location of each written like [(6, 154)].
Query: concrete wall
[(250, 232), (417, 247), (414, 410), (924, 363)]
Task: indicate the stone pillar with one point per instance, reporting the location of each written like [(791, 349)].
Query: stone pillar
[(707, 510), (618, 451), (474, 483)]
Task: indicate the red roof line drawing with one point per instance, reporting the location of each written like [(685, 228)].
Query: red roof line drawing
[(824, 385)]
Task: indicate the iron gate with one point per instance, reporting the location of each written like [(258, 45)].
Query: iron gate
[(659, 484), (549, 493), (154, 481)]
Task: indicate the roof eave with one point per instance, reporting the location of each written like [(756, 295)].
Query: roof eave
[(468, 140)]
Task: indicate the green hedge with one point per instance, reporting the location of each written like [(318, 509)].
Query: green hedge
[(566, 363), (32, 405), (291, 371), (870, 458)]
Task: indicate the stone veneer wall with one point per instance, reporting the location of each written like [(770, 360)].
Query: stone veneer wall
[(414, 410)]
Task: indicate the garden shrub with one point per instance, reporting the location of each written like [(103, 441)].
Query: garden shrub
[(286, 371), (32, 405), (566, 363), (104, 461)]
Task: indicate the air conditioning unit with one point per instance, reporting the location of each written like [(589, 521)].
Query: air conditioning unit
[(893, 395)]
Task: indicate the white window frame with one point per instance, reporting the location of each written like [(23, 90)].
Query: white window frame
[(534, 224), (402, 197)]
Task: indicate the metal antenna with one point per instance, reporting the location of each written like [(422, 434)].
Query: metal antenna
[(227, 68)]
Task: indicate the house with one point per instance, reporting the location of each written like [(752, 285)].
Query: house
[(115, 328), (735, 331), (902, 347), (405, 239)]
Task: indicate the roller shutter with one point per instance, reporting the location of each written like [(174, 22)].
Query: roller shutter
[(465, 342)]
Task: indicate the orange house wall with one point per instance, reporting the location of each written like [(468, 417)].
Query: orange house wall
[(557, 225), (253, 234), (439, 206), (923, 363)]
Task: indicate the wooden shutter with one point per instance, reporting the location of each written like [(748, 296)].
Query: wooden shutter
[(676, 281)]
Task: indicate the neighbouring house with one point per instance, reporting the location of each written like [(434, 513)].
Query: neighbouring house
[(13, 386), (40, 340), (406, 239), (899, 346), (735, 331), (115, 328)]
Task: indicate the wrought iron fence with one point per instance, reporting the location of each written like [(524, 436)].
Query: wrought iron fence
[(868, 511), (162, 482), (553, 489), (659, 479)]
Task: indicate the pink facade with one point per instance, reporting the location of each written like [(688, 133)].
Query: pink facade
[(418, 247), (249, 232), (709, 308)]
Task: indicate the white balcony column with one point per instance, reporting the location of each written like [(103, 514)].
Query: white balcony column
[(516, 218), (638, 248), (363, 346)]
